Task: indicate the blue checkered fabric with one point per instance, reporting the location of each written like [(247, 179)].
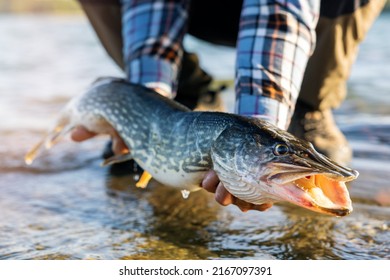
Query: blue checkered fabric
[(153, 31), (275, 41)]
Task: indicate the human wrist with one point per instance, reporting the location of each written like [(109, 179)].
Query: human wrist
[(154, 73), (262, 107)]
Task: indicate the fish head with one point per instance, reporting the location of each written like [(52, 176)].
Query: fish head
[(260, 163)]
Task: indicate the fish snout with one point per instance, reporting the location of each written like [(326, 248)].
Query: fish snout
[(319, 163)]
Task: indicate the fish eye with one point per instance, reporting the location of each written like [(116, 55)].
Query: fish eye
[(281, 150)]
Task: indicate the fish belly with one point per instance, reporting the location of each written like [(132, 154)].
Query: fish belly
[(177, 179)]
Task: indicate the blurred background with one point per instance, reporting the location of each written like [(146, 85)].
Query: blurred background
[(65, 206), (39, 6)]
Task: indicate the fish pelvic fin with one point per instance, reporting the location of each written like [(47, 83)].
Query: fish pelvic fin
[(144, 180), (117, 159)]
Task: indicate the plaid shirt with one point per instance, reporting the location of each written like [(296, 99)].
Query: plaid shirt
[(153, 32), (275, 41)]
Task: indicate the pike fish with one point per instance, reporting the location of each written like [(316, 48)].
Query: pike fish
[(256, 161)]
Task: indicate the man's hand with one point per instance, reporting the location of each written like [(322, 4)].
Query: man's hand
[(80, 134), (210, 182)]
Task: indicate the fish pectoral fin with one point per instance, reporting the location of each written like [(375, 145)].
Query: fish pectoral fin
[(144, 180), (117, 159)]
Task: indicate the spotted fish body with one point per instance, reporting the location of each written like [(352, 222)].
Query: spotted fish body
[(178, 146), (168, 140), (165, 138)]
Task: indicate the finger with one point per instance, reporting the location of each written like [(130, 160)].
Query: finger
[(246, 206), (243, 205), (80, 133), (222, 196), (262, 207), (210, 182), (118, 146)]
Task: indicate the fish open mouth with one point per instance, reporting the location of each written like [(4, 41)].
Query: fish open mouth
[(320, 193), (312, 181)]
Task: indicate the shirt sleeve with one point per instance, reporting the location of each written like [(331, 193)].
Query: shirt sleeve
[(153, 32), (275, 41)]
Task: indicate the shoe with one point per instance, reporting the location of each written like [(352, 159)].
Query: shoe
[(194, 87), (319, 128), (211, 101)]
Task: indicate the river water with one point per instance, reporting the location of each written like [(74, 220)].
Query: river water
[(65, 206)]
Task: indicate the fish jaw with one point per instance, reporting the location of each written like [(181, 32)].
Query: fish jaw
[(318, 193)]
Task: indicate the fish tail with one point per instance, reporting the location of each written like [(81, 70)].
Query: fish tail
[(32, 154), (58, 132), (63, 126)]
